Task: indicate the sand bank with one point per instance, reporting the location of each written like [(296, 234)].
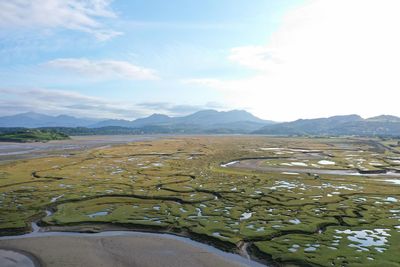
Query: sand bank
[(137, 249)]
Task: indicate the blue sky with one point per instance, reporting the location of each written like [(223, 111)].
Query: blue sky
[(128, 59)]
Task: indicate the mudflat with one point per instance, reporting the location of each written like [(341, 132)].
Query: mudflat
[(12, 258), (10, 151), (121, 251)]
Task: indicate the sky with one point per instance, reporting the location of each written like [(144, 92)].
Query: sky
[(126, 59)]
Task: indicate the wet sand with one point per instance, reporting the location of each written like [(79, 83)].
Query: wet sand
[(257, 164), (14, 151), (13, 258), (141, 250)]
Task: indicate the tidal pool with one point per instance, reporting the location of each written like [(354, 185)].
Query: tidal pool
[(97, 214), (364, 239), (10, 258), (326, 162), (246, 215)]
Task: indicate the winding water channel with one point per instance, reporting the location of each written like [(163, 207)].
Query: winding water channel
[(256, 164)]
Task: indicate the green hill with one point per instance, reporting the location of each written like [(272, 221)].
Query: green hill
[(32, 135)]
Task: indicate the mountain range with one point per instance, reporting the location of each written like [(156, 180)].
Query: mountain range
[(204, 121), (384, 125), (211, 121), (36, 120)]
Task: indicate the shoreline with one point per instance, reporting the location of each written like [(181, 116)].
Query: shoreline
[(236, 254), (14, 151), (20, 257), (255, 164), (24, 243)]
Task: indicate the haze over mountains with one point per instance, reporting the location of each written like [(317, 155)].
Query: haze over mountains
[(384, 125), (212, 121), (35, 120), (205, 118)]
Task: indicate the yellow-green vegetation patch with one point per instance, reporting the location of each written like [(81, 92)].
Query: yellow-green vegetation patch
[(337, 246)]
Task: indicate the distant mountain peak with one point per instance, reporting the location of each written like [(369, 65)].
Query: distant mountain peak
[(28, 113), (385, 118), (158, 115), (31, 114), (35, 120), (211, 116), (206, 111)]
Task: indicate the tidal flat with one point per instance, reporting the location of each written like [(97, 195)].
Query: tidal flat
[(280, 201)]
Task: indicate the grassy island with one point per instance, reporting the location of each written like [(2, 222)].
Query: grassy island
[(32, 135)]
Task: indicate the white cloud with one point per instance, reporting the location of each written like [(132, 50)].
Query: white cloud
[(328, 57), (178, 110), (55, 102), (79, 15), (103, 69), (254, 57)]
